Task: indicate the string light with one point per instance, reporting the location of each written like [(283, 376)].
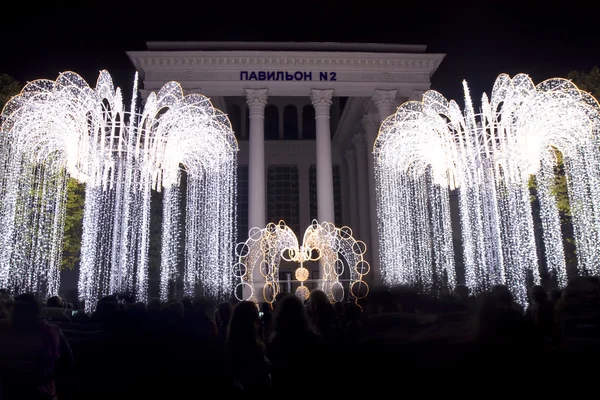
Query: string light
[(58, 129), (302, 292), (430, 147), (301, 274), (336, 249)]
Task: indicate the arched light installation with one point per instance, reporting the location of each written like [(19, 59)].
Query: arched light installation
[(431, 146), (47, 135), (259, 257), (337, 251), (189, 136), (58, 129), (413, 199)]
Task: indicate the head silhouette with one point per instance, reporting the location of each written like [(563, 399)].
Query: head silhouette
[(291, 318), (243, 324), (26, 311), (55, 302), (223, 314), (538, 294)]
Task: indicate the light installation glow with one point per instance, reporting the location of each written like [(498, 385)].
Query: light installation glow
[(335, 248), (429, 147), (58, 129)]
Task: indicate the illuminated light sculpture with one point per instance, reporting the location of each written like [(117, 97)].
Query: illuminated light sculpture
[(335, 248), (302, 276), (194, 136), (58, 129), (431, 146)]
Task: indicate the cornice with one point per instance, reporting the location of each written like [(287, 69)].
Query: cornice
[(242, 60), (190, 75)]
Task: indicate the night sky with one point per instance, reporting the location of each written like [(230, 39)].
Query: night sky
[(480, 41)]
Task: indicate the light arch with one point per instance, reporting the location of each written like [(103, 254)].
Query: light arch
[(489, 156), (56, 129), (323, 242)]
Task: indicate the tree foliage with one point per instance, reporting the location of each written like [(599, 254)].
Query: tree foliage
[(588, 81), (73, 224), (9, 87)]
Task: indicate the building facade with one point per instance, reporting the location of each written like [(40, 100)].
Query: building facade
[(305, 115)]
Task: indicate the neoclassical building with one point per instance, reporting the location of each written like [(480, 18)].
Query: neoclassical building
[(305, 115)]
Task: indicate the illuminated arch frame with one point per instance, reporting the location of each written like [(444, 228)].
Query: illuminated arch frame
[(100, 146), (517, 133), (268, 246)]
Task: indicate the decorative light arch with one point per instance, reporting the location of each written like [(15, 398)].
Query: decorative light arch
[(489, 157), (335, 248), (58, 129)]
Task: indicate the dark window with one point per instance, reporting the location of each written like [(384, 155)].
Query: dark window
[(283, 196), (271, 122), (290, 122), (309, 127)]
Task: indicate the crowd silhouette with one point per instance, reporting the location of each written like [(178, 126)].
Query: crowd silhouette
[(195, 348)]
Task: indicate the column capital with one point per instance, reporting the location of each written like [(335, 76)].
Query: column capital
[(321, 100), (359, 141), (256, 99), (385, 98), (417, 95)]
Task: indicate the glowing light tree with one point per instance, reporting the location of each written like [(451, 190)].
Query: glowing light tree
[(336, 248), (489, 157), (194, 137), (64, 128), (50, 131), (414, 169)]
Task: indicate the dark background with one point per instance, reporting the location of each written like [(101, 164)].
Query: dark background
[(481, 40)]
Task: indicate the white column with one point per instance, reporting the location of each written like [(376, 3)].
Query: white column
[(385, 100), (353, 191), (321, 100), (362, 184), (256, 100)]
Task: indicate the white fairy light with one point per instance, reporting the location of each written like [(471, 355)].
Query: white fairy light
[(58, 129), (194, 136), (338, 251), (431, 146)]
